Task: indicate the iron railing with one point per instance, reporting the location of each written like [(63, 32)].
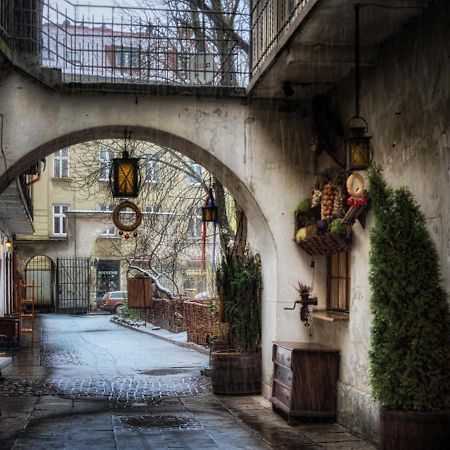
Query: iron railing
[(6, 17), (271, 20), (25, 187), (175, 43)]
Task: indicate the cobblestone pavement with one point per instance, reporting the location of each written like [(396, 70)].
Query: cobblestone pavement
[(89, 384)]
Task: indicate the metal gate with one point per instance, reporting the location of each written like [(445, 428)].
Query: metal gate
[(73, 280), (40, 272)]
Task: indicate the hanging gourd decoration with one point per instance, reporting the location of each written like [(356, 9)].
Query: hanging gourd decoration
[(209, 215), (357, 197)]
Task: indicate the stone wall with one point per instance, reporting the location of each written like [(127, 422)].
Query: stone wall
[(405, 100)]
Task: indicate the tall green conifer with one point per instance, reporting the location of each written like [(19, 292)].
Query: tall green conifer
[(410, 356)]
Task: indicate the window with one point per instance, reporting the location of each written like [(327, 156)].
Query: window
[(112, 230), (61, 163), (196, 170), (48, 54), (152, 209), (126, 57), (195, 226), (73, 55), (105, 157), (152, 170), (59, 219), (338, 282)]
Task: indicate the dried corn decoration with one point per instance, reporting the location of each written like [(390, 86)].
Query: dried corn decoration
[(338, 204), (329, 194), (316, 197)]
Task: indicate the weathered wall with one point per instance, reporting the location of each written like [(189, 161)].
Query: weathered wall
[(406, 101), (258, 153)]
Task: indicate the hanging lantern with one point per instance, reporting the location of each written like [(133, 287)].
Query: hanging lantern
[(360, 151), (359, 148), (124, 179), (210, 211)]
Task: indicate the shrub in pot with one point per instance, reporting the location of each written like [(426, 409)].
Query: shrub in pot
[(237, 370), (410, 353)]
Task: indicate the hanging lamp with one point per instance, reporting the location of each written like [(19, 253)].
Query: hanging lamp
[(359, 147)]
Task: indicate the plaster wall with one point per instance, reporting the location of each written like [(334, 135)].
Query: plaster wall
[(406, 101), (259, 154)]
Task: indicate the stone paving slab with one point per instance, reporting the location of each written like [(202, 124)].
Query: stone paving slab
[(81, 404)]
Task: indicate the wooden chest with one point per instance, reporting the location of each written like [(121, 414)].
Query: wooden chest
[(304, 379)]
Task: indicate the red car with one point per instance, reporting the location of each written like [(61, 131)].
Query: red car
[(112, 300)]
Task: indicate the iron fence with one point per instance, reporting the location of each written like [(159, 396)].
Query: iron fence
[(271, 20), (172, 43)]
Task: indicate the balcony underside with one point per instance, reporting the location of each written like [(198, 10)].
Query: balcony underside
[(316, 50), (15, 215)]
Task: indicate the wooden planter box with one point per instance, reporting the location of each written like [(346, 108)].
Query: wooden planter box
[(236, 373), (9, 326)]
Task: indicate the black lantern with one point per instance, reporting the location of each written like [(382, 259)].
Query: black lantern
[(210, 211), (360, 151), (124, 177), (359, 148)]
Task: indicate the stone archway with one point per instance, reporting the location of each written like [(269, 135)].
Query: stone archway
[(260, 239)]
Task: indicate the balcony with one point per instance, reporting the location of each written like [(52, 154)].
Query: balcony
[(301, 48), (17, 207), (133, 44)]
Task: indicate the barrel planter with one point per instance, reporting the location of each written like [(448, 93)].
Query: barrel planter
[(411, 430), (236, 373)]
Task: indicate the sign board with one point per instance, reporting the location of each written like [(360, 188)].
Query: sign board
[(201, 68)]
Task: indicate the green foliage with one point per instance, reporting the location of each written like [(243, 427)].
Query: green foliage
[(238, 280), (410, 356), (126, 313)]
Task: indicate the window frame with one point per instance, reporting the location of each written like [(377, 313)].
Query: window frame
[(195, 228), (58, 157), (152, 170), (111, 231), (197, 169), (105, 164), (347, 279), (61, 218)]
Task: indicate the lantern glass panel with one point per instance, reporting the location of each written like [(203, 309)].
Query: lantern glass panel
[(209, 214), (125, 178), (360, 153)]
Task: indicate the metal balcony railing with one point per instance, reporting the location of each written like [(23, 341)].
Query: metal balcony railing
[(271, 20), (174, 42), (25, 188)]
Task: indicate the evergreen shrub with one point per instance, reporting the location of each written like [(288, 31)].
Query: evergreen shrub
[(238, 281), (410, 356)]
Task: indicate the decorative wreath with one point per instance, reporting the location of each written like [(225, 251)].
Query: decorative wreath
[(358, 190), (117, 220)]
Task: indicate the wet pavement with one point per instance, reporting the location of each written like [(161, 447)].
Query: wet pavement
[(89, 384)]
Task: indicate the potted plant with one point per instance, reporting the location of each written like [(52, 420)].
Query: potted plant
[(237, 370), (410, 353)]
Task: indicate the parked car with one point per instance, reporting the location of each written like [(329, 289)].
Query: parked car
[(112, 300)]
